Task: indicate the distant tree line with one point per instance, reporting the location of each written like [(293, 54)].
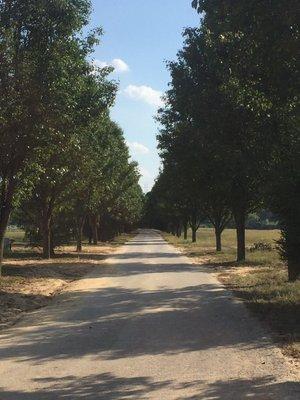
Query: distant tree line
[(229, 138), (65, 169)]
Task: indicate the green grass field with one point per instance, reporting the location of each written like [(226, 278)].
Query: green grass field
[(15, 234), (261, 281), (205, 245)]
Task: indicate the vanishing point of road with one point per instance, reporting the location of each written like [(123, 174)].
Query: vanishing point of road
[(148, 324)]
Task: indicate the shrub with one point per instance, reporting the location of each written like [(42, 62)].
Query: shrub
[(260, 246)]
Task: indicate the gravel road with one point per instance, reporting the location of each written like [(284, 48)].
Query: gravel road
[(149, 325)]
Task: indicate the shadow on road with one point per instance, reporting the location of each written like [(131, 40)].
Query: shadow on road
[(122, 321), (110, 387)]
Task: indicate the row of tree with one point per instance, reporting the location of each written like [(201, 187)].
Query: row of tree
[(229, 136), (64, 165)]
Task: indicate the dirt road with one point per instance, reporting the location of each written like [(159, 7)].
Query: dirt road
[(150, 326)]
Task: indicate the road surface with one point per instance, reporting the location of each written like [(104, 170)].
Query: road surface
[(151, 325)]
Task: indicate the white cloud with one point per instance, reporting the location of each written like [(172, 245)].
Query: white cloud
[(144, 93), (137, 148), (146, 180), (118, 65)]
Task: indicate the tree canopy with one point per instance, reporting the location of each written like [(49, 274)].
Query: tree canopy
[(229, 136), (64, 164)]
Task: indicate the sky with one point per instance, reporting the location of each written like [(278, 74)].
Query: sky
[(139, 36)]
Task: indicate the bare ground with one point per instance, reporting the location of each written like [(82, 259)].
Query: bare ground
[(30, 282)]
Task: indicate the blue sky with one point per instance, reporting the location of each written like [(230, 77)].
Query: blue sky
[(139, 35)]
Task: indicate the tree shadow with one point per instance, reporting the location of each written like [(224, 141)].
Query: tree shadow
[(264, 388), (107, 323), (142, 254), (107, 386), (123, 265), (122, 321), (153, 241), (56, 270), (104, 386)]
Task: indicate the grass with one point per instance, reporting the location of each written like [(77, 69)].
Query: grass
[(16, 234), (205, 245), (261, 281)]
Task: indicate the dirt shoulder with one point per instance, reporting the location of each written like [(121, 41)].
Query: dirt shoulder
[(274, 300), (29, 282), (261, 283), (268, 294)]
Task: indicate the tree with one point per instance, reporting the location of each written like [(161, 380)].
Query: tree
[(194, 139), (39, 43), (105, 191), (260, 41)]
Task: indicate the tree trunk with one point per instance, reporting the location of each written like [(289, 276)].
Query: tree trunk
[(46, 236), (52, 252), (185, 231), (194, 234), (80, 224), (46, 219), (6, 197), (240, 219), (290, 245), (218, 234), (2, 234), (95, 229), (79, 242), (3, 226)]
